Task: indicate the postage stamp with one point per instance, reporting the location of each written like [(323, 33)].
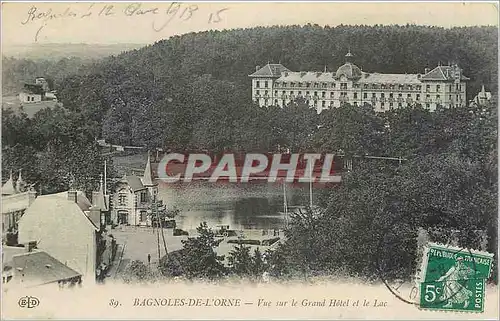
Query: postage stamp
[(453, 278)]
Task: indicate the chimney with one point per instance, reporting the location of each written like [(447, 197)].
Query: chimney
[(427, 70), (31, 197), (302, 73), (72, 196), (257, 68), (95, 196), (95, 216), (286, 73), (31, 246)]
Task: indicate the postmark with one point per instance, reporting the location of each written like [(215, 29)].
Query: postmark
[(453, 278)]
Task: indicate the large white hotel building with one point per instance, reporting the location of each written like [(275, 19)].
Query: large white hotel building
[(274, 84)]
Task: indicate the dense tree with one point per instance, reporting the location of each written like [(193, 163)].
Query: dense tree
[(240, 261), (197, 258)]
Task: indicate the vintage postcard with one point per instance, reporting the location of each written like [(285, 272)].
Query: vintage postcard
[(249, 160)]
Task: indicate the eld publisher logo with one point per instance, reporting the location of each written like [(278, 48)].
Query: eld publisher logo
[(28, 302)]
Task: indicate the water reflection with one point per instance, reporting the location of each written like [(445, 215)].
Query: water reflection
[(254, 205)]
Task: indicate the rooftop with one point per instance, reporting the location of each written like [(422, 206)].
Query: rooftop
[(270, 70), (444, 73), (37, 268), (376, 78)]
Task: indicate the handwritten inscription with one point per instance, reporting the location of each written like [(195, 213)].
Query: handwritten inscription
[(161, 17)]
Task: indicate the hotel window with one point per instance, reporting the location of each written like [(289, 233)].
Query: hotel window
[(438, 97), (410, 87), (365, 86), (257, 84), (143, 216), (400, 105), (316, 85), (419, 87), (265, 93), (450, 97), (283, 93), (391, 95), (307, 102), (291, 92), (427, 105), (315, 94), (307, 93), (299, 84), (276, 93), (365, 95), (308, 85), (382, 95), (323, 103), (400, 95), (391, 87), (401, 87), (418, 96), (438, 88), (323, 94), (343, 85), (428, 88), (355, 95), (323, 85), (374, 95), (257, 92), (382, 105), (391, 105), (276, 101), (450, 87), (283, 85), (382, 86), (409, 96), (292, 84), (265, 101), (265, 84), (143, 197), (331, 95), (333, 85)]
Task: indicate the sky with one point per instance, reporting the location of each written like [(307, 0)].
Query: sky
[(147, 22)]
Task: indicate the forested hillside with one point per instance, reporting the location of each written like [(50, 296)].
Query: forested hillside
[(198, 83)]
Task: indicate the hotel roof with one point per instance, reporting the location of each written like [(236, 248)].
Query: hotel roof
[(307, 76), (376, 78), (443, 73), (270, 70)]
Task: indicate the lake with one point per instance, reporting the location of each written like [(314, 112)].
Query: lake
[(241, 206)]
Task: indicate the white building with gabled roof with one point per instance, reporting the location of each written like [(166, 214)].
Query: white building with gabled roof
[(133, 199), (64, 225), (274, 84)]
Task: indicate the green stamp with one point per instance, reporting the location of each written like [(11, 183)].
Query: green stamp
[(453, 278)]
